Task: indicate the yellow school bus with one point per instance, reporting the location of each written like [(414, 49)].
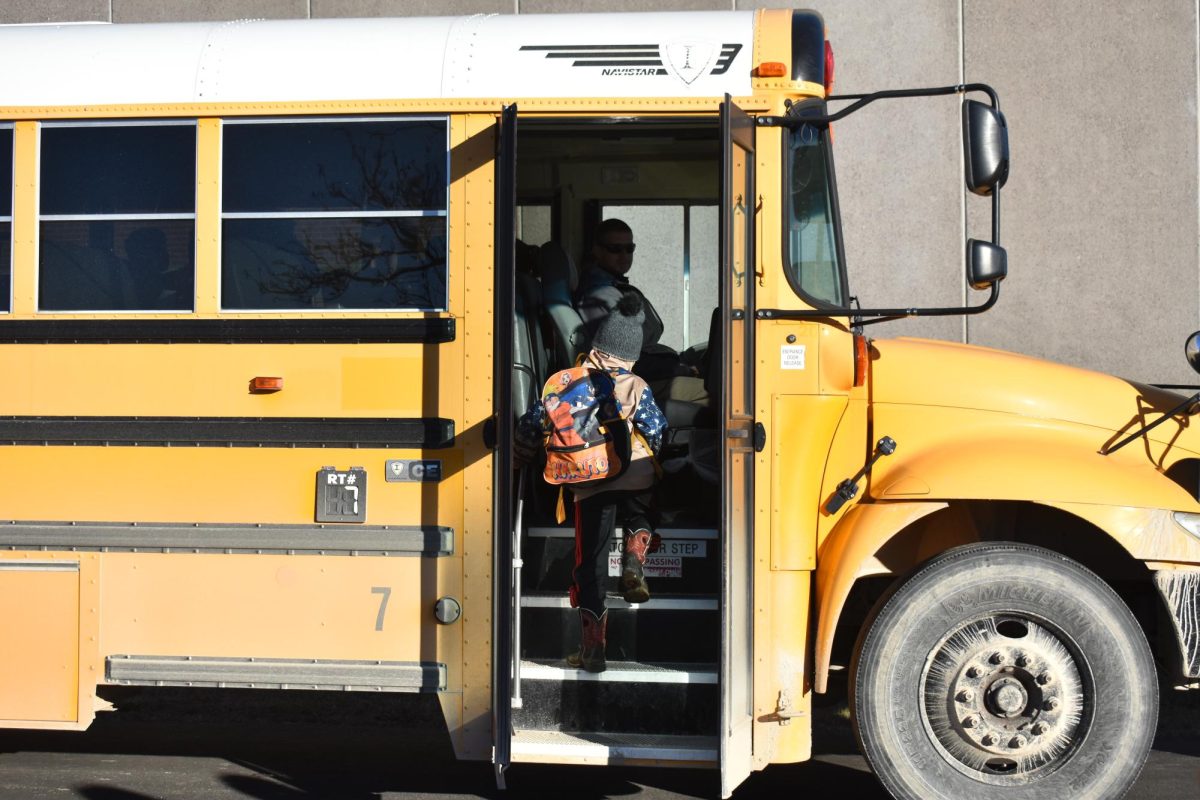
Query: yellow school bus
[(273, 293)]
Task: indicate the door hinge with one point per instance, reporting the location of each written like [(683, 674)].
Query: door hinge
[(489, 432)]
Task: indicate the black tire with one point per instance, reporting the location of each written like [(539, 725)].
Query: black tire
[(968, 677)]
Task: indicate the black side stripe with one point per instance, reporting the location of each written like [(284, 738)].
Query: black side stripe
[(430, 330), (428, 432)]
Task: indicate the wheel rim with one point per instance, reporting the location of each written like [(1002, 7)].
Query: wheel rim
[(1004, 699)]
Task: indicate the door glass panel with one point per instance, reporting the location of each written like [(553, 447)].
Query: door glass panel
[(701, 283), (6, 193), (741, 277)]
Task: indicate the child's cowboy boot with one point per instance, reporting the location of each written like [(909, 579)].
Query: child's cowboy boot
[(633, 579), (590, 655)]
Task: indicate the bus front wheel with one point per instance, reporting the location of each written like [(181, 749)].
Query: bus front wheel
[(1003, 671)]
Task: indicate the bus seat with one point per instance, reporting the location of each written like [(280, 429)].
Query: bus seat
[(528, 354), (559, 279)]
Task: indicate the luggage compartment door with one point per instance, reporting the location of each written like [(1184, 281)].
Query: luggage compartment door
[(47, 676)]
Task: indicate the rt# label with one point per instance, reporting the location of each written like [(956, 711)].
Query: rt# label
[(791, 356), (342, 495)]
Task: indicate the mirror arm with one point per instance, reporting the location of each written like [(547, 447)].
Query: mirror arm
[(1182, 408), (794, 121), (996, 216), (879, 314)]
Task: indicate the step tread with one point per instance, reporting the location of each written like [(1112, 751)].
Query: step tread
[(527, 745), (666, 533), (620, 672), (656, 603)]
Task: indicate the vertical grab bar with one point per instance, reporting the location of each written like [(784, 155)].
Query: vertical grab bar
[(517, 564)]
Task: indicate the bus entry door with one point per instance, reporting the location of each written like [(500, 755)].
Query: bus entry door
[(737, 433)]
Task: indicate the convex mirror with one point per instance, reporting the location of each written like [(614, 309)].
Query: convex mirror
[(1191, 349), (985, 147)]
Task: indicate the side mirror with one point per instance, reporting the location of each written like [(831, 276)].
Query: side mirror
[(987, 264), (1191, 348), (985, 147)]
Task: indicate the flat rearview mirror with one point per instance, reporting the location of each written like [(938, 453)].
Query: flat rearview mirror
[(1192, 349), (987, 264), (985, 147)]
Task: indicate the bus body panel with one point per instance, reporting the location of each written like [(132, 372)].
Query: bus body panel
[(955, 453), (698, 54)]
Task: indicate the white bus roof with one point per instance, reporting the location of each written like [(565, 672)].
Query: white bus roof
[(503, 56)]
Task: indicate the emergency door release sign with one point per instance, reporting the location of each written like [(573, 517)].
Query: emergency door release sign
[(342, 495), (791, 356)]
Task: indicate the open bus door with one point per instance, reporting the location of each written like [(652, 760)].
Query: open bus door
[(505, 651), (737, 435)]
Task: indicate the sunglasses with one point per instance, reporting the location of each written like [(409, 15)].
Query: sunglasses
[(619, 248)]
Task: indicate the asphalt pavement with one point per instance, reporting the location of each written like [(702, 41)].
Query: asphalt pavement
[(238, 744)]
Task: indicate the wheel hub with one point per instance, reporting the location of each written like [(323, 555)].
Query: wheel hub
[(1007, 697), (1003, 697)]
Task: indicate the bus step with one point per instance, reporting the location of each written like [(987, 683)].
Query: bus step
[(559, 747), (656, 603), (672, 699), (687, 563), (620, 672), (673, 628)]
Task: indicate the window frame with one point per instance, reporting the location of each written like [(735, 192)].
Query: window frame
[(835, 221), (117, 123), (223, 215), (12, 201)]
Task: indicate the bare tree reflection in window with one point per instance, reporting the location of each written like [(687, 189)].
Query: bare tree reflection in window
[(348, 261)]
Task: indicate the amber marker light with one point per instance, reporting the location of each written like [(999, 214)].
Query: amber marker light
[(862, 358), (262, 385), (771, 69)]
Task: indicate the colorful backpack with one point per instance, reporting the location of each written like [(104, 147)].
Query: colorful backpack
[(588, 439)]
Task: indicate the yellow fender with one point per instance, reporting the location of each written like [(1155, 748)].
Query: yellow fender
[(1124, 495), (858, 536)]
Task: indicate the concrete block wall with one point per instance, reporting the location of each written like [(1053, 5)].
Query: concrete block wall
[(1101, 216)]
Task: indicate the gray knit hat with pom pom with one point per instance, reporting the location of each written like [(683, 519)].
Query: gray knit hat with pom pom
[(620, 334)]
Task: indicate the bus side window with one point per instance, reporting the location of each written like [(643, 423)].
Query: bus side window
[(341, 214), (117, 224)]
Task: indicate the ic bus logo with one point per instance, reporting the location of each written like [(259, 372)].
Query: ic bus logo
[(687, 61)]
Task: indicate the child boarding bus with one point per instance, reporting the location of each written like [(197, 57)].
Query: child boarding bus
[(266, 326)]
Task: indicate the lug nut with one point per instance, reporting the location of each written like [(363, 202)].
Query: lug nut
[(965, 696), (988, 740), (1044, 679), (970, 721), (973, 671), (1023, 660), (1051, 703), (1016, 742), (1039, 728), (996, 657)]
